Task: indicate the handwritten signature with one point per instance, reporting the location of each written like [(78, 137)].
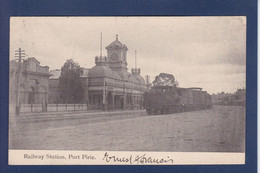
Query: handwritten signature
[(138, 159)]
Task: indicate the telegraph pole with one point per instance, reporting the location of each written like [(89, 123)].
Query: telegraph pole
[(104, 81), (18, 54)]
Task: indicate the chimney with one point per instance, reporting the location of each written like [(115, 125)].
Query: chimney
[(101, 61), (136, 71)]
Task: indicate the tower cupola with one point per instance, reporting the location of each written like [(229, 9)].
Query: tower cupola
[(116, 54)]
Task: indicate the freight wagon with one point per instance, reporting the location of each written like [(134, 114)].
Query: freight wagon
[(169, 99)]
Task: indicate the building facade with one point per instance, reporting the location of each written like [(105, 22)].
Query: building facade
[(33, 84), (111, 86)]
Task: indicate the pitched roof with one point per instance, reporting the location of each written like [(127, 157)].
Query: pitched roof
[(32, 59), (116, 44)]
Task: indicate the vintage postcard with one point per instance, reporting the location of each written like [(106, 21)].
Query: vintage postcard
[(127, 90)]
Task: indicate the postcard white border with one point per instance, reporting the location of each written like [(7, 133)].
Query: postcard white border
[(61, 157)]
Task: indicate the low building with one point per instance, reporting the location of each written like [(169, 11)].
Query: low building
[(241, 94), (33, 87), (237, 98)]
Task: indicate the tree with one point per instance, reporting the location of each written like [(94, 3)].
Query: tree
[(165, 79), (71, 89)]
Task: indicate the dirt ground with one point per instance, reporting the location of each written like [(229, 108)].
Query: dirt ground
[(219, 129)]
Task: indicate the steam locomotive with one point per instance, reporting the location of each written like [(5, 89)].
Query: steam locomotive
[(170, 99)]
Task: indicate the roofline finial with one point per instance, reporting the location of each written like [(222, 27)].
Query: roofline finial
[(116, 37), (101, 45), (135, 59)]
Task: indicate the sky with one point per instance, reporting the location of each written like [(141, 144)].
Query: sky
[(206, 52)]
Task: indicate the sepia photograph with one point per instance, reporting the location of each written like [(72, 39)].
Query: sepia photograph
[(126, 88)]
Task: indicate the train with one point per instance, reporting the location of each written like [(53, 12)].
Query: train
[(171, 99)]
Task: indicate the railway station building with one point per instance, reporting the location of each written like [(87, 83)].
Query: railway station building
[(108, 84)]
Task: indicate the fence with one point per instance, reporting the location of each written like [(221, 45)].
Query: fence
[(50, 107), (66, 107)]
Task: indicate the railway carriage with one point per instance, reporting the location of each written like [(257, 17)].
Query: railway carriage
[(169, 99)]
